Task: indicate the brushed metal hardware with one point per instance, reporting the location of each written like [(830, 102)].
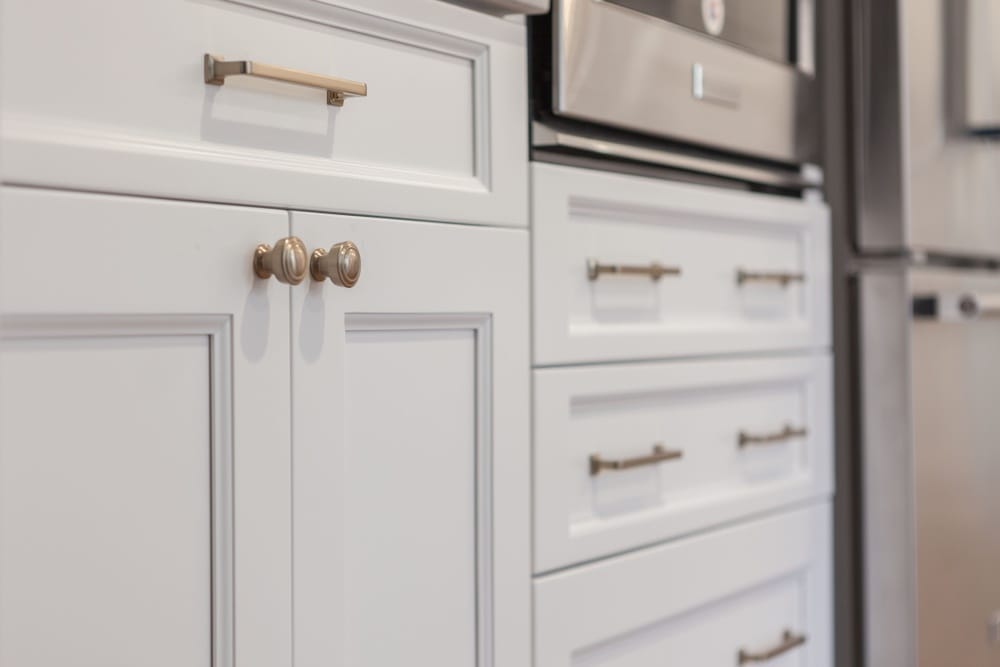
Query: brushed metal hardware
[(716, 92), (286, 261), (789, 641), (337, 89), (787, 433), (783, 278), (660, 454), (341, 264), (655, 270)]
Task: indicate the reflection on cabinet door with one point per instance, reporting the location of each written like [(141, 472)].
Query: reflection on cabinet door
[(144, 435), (410, 447)]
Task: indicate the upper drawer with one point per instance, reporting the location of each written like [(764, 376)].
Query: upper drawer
[(111, 95), (741, 272), (717, 600), (735, 438)]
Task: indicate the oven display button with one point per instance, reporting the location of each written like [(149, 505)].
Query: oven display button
[(713, 13)]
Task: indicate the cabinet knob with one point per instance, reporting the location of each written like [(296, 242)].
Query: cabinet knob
[(286, 261), (341, 264)]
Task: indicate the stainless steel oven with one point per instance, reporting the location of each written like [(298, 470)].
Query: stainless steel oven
[(729, 77)]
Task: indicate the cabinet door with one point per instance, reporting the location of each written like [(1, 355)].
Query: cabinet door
[(410, 399), (144, 435)]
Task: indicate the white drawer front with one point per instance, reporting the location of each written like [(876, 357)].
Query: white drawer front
[(721, 426), (710, 235), (699, 602), (111, 95)]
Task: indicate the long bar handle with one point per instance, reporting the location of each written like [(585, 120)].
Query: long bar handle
[(660, 454), (783, 278), (787, 433), (789, 641), (654, 270), (337, 89)]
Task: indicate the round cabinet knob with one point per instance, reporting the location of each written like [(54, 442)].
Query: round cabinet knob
[(286, 261), (341, 264)]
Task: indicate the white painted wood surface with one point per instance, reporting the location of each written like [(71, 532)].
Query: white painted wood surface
[(709, 233), (698, 408), (442, 134), (411, 449), (144, 435), (696, 602)]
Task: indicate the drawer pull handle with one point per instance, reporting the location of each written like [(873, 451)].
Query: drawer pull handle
[(783, 278), (787, 433), (660, 454), (655, 270), (337, 90), (789, 641)]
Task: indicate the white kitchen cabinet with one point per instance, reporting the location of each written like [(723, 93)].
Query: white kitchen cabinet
[(203, 467), (120, 87), (757, 592), (411, 454), (736, 437), (635, 268), (145, 514)]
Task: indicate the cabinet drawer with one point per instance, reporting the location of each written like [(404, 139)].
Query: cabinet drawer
[(743, 272), (734, 438), (123, 105), (697, 602)]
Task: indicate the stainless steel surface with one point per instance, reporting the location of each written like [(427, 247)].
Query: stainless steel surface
[(544, 136), (337, 89), (762, 26), (782, 278), (659, 455), (979, 59), (506, 6), (955, 385), (341, 264), (931, 465), (888, 495), (925, 182), (286, 261), (788, 432), (621, 68), (654, 270), (789, 641)]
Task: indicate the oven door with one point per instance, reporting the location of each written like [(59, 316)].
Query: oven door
[(617, 65)]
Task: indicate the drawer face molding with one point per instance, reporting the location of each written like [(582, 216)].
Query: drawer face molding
[(433, 138), (628, 455), (632, 268), (701, 601)]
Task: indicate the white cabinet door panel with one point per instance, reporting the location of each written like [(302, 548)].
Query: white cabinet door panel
[(699, 602), (725, 423), (730, 250), (411, 449), (144, 435), (441, 135)]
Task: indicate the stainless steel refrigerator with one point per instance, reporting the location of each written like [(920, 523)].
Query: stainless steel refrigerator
[(927, 295)]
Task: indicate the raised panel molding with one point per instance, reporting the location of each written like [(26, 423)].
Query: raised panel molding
[(33, 329)]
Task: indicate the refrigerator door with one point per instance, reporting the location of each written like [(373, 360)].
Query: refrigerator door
[(955, 354), (927, 180), (931, 457)]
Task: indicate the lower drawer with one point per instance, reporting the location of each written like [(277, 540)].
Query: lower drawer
[(629, 455), (757, 592)]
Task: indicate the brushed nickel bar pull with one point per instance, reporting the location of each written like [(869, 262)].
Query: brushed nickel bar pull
[(660, 454), (654, 270), (337, 90), (783, 278), (789, 641), (787, 433)]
